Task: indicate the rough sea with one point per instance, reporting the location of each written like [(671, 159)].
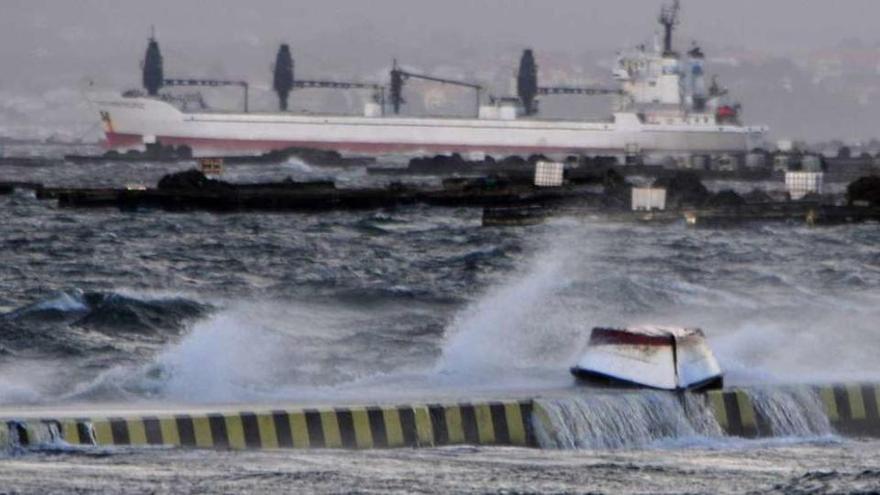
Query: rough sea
[(175, 310)]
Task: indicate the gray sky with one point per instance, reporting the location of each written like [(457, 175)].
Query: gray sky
[(49, 44), (64, 37)]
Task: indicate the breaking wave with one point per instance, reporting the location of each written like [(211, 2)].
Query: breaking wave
[(627, 420), (111, 312), (608, 420)]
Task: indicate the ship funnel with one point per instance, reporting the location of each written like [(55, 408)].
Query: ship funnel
[(153, 76), (527, 82), (283, 80)]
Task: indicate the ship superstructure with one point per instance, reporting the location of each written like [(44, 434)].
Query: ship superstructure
[(662, 105), (664, 87)]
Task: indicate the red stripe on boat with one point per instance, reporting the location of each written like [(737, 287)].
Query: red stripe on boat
[(610, 336)]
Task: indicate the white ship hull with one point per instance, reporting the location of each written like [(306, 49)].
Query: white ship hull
[(129, 122)]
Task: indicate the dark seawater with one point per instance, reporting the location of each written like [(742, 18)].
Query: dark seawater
[(173, 308), (761, 468)]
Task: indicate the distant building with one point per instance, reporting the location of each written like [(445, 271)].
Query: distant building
[(756, 160), (790, 146), (783, 162), (724, 163), (811, 163)]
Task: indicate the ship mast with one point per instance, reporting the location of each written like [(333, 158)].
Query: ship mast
[(668, 19), (527, 82), (153, 75), (282, 81)]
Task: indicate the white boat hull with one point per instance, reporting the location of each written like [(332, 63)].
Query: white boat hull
[(664, 361)]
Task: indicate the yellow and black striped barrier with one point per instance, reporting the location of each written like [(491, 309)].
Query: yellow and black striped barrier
[(734, 412), (489, 423), (852, 410), (24, 433)]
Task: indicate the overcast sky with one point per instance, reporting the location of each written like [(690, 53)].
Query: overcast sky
[(75, 38), (51, 44)]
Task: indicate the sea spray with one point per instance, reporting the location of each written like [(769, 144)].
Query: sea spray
[(609, 420), (531, 326), (784, 343), (298, 166), (225, 358), (791, 411), (290, 350), (519, 323), (603, 419)]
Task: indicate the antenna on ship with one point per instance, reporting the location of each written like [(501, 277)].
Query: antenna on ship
[(527, 82), (669, 19), (153, 75), (283, 80)]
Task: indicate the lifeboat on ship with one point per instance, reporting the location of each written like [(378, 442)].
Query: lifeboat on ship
[(668, 358)]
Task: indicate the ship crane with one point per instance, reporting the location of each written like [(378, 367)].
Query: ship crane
[(399, 76), (154, 76), (527, 85), (284, 81)]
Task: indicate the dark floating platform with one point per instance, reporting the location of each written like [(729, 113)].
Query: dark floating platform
[(159, 153), (192, 190), (517, 168), (809, 213), (154, 152), (836, 170), (10, 187), (576, 167), (513, 199), (689, 201)]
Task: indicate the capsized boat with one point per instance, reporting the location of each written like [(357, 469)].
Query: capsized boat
[(670, 358)]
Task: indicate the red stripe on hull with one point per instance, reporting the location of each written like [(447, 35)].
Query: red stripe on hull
[(117, 140)]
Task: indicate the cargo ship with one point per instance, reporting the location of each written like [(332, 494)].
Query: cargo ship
[(662, 104)]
